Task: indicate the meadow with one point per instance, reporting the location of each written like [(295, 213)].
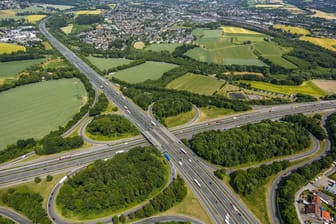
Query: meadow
[(59, 7), (323, 42), (149, 70), (38, 108), (162, 47), (235, 45), (107, 63), (34, 18), (308, 88), (9, 69), (292, 29), (9, 48), (7, 13), (200, 84)]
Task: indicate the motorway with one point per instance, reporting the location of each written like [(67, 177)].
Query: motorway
[(176, 218), (214, 196)]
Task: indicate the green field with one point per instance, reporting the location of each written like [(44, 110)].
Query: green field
[(107, 63), (234, 45), (59, 7), (149, 70), (200, 84), (9, 69), (36, 109), (308, 88), (274, 52), (179, 119), (163, 47), (76, 28), (67, 29)]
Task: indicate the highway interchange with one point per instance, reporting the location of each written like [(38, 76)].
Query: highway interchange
[(216, 198)]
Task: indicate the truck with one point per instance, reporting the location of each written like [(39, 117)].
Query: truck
[(120, 151), (185, 152), (166, 156), (153, 123), (65, 157), (198, 184), (63, 179)]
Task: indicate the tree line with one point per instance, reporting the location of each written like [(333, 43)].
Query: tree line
[(100, 106), (252, 142), (298, 178), (173, 194), (111, 125), (125, 179), (245, 182), (29, 204)]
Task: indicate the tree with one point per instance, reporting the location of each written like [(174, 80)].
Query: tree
[(37, 180), (115, 219), (49, 178), (122, 218)]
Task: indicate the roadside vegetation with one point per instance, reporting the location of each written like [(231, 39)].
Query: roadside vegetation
[(111, 127), (111, 186), (290, 184), (253, 142), (4, 220)]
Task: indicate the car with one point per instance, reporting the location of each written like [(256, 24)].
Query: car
[(189, 160), (126, 143)]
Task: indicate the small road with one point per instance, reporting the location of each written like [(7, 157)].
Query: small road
[(272, 195), (176, 218), (16, 217)]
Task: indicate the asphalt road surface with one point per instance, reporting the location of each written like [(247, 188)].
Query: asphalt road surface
[(17, 218)]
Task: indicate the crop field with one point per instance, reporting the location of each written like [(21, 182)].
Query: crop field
[(292, 29), (149, 70), (88, 12), (67, 29), (163, 47), (324, 15), (139, 45), (9, 69), (230, 45), (38, 108), (200, 84), (323, 42), (274, 52), (34, 18), (239, 30), (269, 6), (328, 86), (29, 9), (308, 88), (106, 63), (7, 13), (9, 48)]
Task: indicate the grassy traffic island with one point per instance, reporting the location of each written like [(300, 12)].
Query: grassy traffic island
[(110, 127), (110, 187)]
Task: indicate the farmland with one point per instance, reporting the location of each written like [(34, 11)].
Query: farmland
[(196, 84), (323, 42), (235, 45), (308, 88), (34, 18), (9, 69), (106, 63), (59, 7), (149, 70), (67, 29), (162, 47), (7, 13), (328, 86), (9, 48), (292, 29), (139, 45), (38, 109), (324, 15), (88, 12)]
